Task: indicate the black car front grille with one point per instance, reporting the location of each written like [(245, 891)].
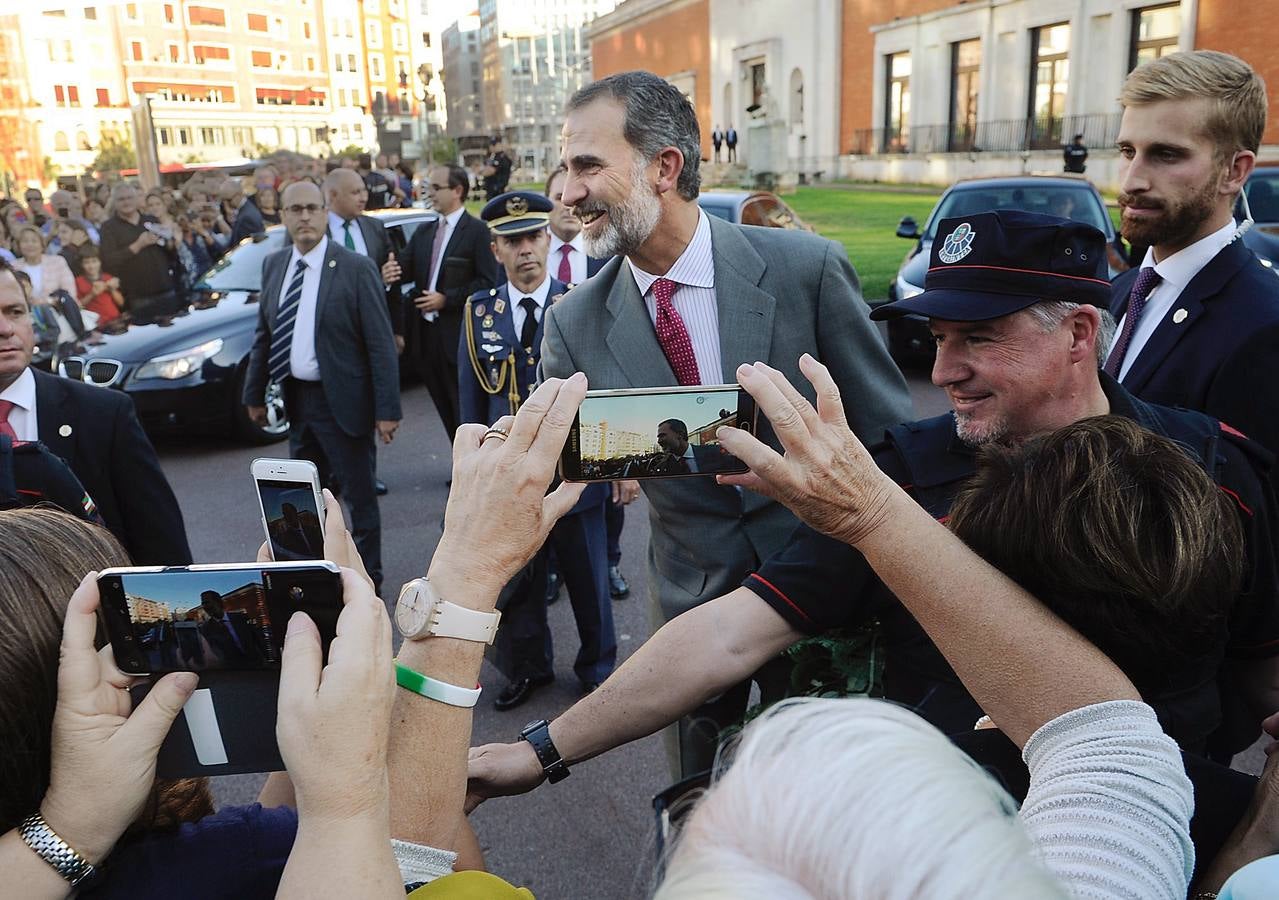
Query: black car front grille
[(102, 372)]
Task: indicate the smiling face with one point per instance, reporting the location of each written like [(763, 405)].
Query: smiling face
[(17, 332), (670, 439), (1175, 186), (1007, 378), (610, 189), (524, 257)]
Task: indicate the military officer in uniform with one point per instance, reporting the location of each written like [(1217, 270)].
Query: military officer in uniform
[(499, 351)]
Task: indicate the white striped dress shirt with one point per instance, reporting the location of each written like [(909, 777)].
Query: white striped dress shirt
[(694, 300)]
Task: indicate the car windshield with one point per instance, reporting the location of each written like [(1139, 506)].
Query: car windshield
[(241, 268), (717, 208), (1066, 201), (1262, 191)]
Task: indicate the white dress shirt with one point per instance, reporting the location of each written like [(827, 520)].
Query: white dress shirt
[(22, 418), (303, 363), (337, 233), (694, 300), (539, 295), (1176, 272), (576, 258), (448, 223)]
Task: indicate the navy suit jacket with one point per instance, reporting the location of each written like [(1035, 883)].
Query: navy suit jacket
[(1222, 356), (248, 222), (97, 433), (379, 247), (468, 266)]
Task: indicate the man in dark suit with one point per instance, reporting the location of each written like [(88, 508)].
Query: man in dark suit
[(687, 300), (1198, 320), (682, 457), (345, 195), (96, 432), (499, 352), (730, 140), (325, 336), (235, 642), (446, 261), (241, 212)]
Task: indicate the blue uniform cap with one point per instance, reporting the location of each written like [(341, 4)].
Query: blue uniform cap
[(993, 264), (516, 212)]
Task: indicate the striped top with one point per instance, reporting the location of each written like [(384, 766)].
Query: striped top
[(1109, 804), (694, 299)]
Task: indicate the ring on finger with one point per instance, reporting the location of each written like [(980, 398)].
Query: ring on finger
[(495, 432)]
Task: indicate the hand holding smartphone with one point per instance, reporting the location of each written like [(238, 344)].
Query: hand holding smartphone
[(656, 433), (292, 507)]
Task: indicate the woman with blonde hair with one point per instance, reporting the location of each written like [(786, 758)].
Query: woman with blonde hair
[(48, 272)]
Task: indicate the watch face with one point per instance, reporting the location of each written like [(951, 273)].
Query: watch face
[(413, 610)]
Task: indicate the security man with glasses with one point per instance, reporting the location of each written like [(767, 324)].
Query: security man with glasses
[(324, 336), (498, 356)]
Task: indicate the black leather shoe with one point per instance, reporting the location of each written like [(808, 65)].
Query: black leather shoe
[(553, 585), (517, 692), (380, 486), (617, 586)]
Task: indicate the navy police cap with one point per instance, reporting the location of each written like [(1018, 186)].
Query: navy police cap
[(993, 264), (516, 212)]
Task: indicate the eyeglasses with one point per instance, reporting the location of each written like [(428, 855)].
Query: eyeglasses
[(298, 209)]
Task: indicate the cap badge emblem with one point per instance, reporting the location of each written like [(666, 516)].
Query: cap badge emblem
[(516, 206), (958, 244)]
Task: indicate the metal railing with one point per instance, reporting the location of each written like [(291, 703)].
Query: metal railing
[(1002, 135)]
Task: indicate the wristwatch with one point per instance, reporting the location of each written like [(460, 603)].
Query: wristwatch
[(539, 735), (420, 612)]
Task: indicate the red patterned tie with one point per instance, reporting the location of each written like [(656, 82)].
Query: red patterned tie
[(6, 406), (673, 336), (565, 274)]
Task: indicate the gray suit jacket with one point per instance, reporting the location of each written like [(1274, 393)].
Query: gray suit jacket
[(359, 367), (780, 294)]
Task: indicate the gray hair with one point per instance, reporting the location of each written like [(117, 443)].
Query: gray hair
[(1048, 314), (657, 116)]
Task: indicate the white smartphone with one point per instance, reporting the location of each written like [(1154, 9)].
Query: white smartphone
[(292, 507)]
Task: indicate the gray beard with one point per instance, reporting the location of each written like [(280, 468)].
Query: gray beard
[(630, 223)]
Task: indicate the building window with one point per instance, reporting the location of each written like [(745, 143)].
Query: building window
[(310, 63), (59, 95), (261, 59), (400, 37), (896, 103), (104, 97), (350, 63), (759, 83), (175, 52), (337, 62), (404, 104), (257, 22), (1155, 33), (91, 13), (73, 95), (1049, 77), (168, 13), (211, 136), (965, 78), (184, 136), (209, 16), (131, 11), (306, 30), (372, 6), (373, 33), (60, 141), (135, 51), (82, 140), (203, 54), (165, 135), (375, 67)]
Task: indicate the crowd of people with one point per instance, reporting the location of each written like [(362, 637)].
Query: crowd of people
[(1074, 573)]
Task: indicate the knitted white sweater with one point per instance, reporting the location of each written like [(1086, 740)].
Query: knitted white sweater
[(1109, 803)]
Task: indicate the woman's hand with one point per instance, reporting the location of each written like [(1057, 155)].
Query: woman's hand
[(103, 757), (334, 720), (826, 477), (499, 513)]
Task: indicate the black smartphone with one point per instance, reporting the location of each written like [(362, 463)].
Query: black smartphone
[(221, 617), (655, 433)]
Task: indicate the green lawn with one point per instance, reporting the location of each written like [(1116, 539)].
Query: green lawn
[(864, 222)]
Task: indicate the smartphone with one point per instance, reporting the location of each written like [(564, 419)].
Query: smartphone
[(655, 433), (292, 507), (214, 617)]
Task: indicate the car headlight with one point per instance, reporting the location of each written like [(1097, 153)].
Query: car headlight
[(906, 290), (173, 366)]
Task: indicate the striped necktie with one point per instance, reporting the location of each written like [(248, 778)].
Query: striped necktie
[(282, 333)]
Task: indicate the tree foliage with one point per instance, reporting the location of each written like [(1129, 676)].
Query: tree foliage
[(114, 154)]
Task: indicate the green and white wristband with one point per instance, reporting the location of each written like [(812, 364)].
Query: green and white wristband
[(434, 689)]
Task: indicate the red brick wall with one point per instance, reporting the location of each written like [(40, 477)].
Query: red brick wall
[(1232, 26), (674, 38)]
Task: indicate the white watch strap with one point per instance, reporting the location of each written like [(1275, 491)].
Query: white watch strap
[(450, 620)]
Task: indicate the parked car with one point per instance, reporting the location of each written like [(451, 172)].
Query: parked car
[(751, 208), (1072, 198), (1262, 191), (187, 373)]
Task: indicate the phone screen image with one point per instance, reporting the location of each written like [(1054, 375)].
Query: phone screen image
[(292, 520), (654, 435), (196, 621)]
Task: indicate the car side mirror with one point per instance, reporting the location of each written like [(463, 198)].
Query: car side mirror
[(908, 228)]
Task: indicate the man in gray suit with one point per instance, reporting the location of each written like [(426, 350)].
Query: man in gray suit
[(727, 295), (325, 336)]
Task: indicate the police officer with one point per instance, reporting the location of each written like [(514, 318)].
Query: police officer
[(1075, 156), (499, 351)]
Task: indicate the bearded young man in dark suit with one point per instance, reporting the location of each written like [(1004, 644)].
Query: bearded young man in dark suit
[(446, 261), (1199, 318), (96, 432), (324, 335), (727, 295)]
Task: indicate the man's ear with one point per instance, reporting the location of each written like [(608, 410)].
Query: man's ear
[(670, 163), (1242, 162), (1085, 332)]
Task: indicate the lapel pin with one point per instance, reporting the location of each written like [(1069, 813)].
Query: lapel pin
[(479, 310), (488, 322), (333, 264), (1180, 316), (499, 306), (65, 431)]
